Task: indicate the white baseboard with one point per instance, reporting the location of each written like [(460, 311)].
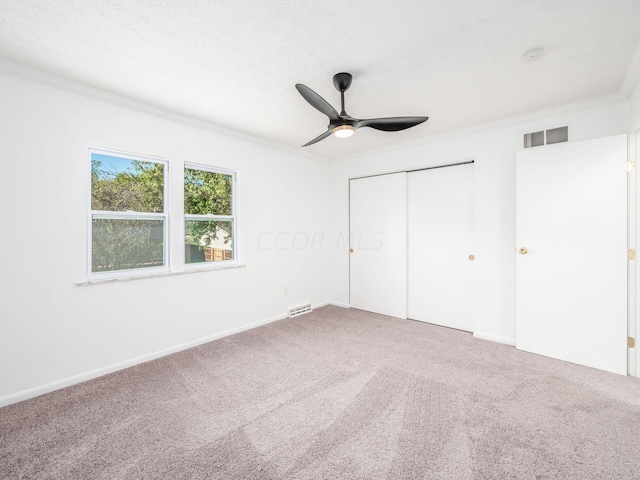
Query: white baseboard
[(99, 372), (339, 304), (495, 338)]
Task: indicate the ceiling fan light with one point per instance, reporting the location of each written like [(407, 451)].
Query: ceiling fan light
[(344, 131)]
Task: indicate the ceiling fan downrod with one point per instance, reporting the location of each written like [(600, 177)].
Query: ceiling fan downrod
[(342, 82)]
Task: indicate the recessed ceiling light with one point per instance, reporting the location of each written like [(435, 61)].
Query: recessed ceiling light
[(534, 54)]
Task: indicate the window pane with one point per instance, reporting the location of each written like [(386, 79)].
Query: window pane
[(207, 192), (125, 244), (208, 241), (119, 184)]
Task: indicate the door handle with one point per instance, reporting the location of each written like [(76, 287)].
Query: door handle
[(523, 250)]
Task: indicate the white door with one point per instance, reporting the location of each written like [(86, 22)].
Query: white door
[(378, 242), (440, 239), (571, 268)]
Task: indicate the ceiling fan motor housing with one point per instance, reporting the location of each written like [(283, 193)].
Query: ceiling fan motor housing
[(342, 81)]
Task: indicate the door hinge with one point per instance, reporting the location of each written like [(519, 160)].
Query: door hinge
[(631, 166), (631, 342), (631, 254)]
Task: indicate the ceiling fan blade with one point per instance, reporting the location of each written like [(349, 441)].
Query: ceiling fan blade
[(317, 101), (318, 138), (392, 124)]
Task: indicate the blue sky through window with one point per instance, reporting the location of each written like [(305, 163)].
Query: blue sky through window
[(118, 163)]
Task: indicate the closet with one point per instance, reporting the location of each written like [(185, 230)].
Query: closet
[(411, 245)]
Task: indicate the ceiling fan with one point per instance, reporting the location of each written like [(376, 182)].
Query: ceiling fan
[(344, 125)]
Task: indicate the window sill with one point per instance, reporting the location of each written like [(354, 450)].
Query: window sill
[(99, 281)]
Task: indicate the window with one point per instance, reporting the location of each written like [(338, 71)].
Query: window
[(128, 227), (129, 216), (209, 214)]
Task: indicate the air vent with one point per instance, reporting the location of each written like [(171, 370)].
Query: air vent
[(300, 310), (557, 135), (534, 139), (553, 135)]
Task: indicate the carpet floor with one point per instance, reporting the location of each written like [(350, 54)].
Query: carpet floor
[(335, 394)]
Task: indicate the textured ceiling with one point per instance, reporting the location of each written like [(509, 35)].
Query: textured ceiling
[(235, 63)]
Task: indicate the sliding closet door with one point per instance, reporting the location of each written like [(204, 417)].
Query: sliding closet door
[(378, 244), (571, 268), (440, 226)]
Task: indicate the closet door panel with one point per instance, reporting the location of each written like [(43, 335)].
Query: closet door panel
[(440, 239), (378, 244)]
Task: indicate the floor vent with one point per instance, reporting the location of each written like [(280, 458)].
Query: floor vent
[(301, 310), (546, 137)]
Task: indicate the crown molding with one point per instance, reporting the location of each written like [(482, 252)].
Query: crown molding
[(47, 79), (54, 81), (485, 127)]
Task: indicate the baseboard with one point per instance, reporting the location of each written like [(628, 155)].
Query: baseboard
[(495, 338), (99, 372), (335, 304), (339, 304)]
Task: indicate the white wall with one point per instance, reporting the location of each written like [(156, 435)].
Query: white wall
[(494, 151), (53, 332)]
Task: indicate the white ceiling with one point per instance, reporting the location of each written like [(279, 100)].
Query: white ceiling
[(234, 63)]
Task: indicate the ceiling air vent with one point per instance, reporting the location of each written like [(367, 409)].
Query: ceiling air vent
[(553, 135)]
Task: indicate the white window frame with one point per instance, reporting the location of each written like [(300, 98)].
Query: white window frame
[(130, 215), (209, 217)]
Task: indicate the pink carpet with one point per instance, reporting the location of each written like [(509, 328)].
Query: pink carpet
[(335, 394)]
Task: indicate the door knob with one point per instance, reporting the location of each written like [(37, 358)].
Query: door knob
[(351, 250), (523, 250), (472, 257)]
